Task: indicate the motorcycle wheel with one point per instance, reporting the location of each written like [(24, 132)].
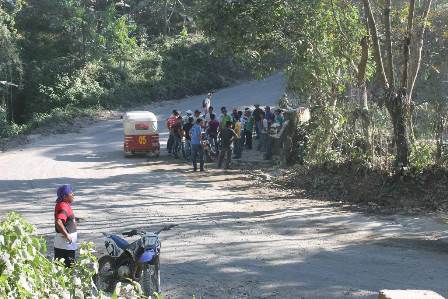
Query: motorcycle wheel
[(106, 279), (151, 278)]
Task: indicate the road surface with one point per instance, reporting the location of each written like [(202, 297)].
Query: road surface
[(233, 239)]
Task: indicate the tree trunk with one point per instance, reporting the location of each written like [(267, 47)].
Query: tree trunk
[(363, 96), (439, 139), (399, 112)]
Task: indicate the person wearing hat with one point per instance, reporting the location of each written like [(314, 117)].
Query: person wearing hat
[(65, 225), (186, 117)]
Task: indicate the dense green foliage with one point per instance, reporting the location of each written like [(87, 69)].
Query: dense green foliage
[(320, 45), (26, 272), (77, 54)]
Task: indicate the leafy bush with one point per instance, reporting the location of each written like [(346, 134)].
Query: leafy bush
[(25, 271), (6, 129), (422, 156), (81, 88)]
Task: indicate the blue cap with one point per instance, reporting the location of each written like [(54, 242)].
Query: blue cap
[(63, 191)]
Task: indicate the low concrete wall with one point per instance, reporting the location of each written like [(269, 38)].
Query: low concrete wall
[(409, 294)]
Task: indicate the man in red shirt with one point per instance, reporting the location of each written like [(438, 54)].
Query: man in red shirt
[(170, 122), (65, 241)]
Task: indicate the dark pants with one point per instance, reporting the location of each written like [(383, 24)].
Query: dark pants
[(170, 142), (238, 147), (67, 255), (269, 144), (262, 143), (196, 149), (176, 145), (258, 128), (227, 152), (248, 138)]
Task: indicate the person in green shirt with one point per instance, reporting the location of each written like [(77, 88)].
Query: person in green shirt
[(279, 118), (224, 118)]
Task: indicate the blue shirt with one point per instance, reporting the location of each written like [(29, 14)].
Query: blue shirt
[(195, 133)]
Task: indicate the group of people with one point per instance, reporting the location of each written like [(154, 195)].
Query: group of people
[(229, 133)]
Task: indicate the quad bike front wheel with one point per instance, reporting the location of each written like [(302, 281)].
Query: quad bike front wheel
[(151, 278)]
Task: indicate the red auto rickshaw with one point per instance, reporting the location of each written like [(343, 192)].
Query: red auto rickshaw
[(140, 133)]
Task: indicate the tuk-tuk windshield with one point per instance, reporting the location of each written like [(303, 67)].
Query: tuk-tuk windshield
[(139, 122)]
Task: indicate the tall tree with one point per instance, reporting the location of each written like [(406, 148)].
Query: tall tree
[(11, 69), (398, 93), (321, 46)]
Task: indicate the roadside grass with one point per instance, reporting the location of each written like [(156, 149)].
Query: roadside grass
[(370, 190)]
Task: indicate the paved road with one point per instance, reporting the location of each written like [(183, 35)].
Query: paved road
[(233, 240)]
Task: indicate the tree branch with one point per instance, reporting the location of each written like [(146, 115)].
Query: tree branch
[(361, 75), (389, 61), (362, 65), (376, 44), (407, 43), (416, 54)]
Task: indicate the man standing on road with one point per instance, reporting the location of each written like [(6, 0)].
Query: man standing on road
[(170, 122), (248, 129), (264, 128), (65, 224), (212, 131), (228, 135), (269, 116), (224, 118), (196, 146), (206, 103), (257, 118), (238, 145)]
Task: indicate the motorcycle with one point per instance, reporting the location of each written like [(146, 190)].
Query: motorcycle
[(211, 152), (138, 261), (186, 149)]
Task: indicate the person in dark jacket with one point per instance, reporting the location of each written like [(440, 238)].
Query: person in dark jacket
[(257, 118), (228, 135)]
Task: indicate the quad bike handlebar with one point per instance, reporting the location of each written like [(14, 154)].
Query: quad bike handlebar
[(136, 232)]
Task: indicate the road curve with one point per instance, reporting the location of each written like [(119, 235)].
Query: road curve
[(233, 240)]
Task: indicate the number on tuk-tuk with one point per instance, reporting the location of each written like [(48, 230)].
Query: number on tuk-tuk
[(142, 140)]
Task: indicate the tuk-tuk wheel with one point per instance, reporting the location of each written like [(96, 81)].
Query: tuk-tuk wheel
[(128, 154), (152, 154)]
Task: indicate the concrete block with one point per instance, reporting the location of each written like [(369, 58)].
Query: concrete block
[(409, 294)]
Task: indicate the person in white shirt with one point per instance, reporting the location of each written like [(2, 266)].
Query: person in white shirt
[(206, 103)]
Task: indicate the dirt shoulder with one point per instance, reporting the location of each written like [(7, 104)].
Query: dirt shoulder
[(368, 190)]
